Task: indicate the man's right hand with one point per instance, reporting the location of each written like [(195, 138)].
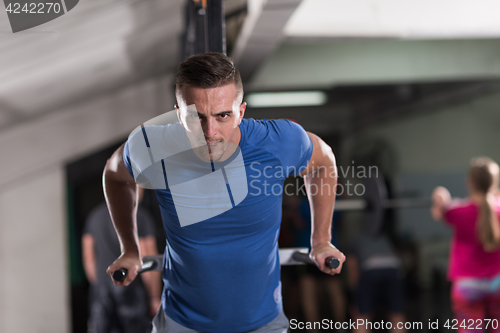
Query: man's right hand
[(132, 263)]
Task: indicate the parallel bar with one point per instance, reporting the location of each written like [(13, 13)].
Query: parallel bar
[(288, 256)]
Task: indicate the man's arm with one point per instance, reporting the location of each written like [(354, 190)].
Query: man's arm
[(152, 280), (320, 178), (89, 258), (121, 193)]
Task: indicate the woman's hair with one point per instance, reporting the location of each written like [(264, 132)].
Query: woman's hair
[(483, 174)]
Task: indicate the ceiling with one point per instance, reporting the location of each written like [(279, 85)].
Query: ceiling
[(409, 19), (96, 47), (101, 46)]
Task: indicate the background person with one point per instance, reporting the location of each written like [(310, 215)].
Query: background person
[(474, 268), (313, 282), (375, 279), (374, 268), (114, 309)]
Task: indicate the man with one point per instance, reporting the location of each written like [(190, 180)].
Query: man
[(217, 178), (114, 309)]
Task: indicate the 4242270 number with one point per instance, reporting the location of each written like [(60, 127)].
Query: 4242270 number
[(34, 8), (471, 324)]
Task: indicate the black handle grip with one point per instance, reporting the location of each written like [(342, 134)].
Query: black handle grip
[(331, 262), (149, 265), (120, 274)]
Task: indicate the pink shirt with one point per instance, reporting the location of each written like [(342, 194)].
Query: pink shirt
[(467, 257)]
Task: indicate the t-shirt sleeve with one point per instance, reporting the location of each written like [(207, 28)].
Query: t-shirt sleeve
[(88, 228), (449, 216), (450, 212), (295, 148), (147, 147), (126, 158)]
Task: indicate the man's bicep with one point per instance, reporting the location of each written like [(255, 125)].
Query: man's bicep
[(322, 155)]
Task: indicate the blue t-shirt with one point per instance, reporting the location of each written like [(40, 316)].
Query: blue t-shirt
[(222, 274)]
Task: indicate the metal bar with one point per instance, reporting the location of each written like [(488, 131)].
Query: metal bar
[(288, 256), (408, 203), (360, 204), (354, 204)]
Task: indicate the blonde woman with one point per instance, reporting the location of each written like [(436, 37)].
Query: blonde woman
[(474, 268)]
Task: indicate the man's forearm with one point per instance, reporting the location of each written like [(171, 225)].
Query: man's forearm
[(320, 178), (321, 187), (121, 198)]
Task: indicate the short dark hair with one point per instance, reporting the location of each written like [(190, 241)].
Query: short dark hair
[(208, 70)]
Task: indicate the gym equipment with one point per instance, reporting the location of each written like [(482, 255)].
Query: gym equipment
[(204, 29), (290, 256), (149, 263), (374, 202)]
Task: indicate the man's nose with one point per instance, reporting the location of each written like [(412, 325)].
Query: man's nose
[(209, 128)]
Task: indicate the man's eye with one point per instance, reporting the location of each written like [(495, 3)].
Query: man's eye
[(224, 115)]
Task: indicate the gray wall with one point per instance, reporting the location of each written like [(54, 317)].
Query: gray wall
[(34, 290), (299, 64)]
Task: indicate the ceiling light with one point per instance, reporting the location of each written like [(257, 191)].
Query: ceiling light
[(282, 99)]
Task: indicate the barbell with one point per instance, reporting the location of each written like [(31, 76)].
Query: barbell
[(374, 202)]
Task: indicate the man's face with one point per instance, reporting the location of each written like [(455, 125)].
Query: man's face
[(212, 124)]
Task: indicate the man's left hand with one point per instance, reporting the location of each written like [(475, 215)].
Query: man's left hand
[(320, 252)]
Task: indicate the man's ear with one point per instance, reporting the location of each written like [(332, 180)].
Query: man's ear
[(178, 111), (243, 107)]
